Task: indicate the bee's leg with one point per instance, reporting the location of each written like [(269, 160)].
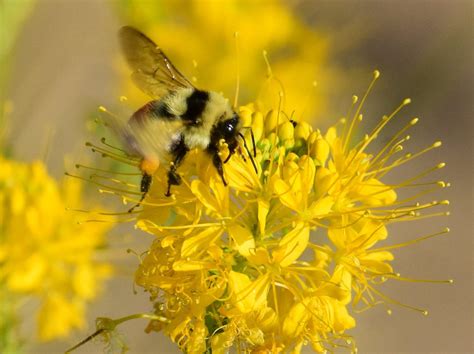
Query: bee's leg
[(179, 151), (217, 162), (144, 188)]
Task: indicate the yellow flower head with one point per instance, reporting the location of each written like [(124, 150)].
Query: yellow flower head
[(272, 261), (44, 253)]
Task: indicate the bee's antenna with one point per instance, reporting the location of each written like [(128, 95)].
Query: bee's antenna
[(248, 152), (237, 84), (253, 143)]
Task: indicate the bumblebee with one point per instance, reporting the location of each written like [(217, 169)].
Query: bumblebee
[(180, 117)]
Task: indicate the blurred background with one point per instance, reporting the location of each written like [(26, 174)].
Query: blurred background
[(60, 61)]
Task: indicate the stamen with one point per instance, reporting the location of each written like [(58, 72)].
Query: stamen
[(105, 153), (412, 123), (237, 60), (393, 301), (107, 171), (349, 111), (102, 185), (433, 281), (271, 77), (356, 116), (407, 158), (103, 141), (373, 135), (179, 227), (124, 183), (98, 212)]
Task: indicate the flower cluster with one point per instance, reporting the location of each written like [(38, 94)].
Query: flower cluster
[(272, 261), (45, 256)]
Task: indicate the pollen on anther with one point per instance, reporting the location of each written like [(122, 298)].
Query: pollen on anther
[(406, 101)]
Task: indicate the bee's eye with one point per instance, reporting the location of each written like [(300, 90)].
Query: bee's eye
[(229, 127)]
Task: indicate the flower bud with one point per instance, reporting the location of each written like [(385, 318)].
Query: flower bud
[(271, 120), (302, 130), (257, 124)]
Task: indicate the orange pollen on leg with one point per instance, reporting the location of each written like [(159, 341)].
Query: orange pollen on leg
[(149, 166)]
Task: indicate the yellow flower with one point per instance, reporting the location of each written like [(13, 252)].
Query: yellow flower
[(44, 253), (272, 262)]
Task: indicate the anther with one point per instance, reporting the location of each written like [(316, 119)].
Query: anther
[(406, 101), (376, 74)]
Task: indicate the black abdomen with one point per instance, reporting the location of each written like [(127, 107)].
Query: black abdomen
[(195, 104)]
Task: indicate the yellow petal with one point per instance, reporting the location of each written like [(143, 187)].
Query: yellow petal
[(248, 295), (321, 207), (243, 239), (296, 320), (199, 243), (284, 192), (189, 266), (292, 245), (263, 208), (374, 193)]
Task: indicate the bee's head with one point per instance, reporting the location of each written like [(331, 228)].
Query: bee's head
[(229, 128)]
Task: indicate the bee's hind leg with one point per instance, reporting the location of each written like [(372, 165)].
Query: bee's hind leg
[(174, 179), (179, 151), (144, 188)]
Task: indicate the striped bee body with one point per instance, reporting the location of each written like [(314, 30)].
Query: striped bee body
[(180, 118)]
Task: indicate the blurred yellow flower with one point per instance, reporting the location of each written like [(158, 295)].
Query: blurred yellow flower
[(198, 36), (271, 262), (44, 253)]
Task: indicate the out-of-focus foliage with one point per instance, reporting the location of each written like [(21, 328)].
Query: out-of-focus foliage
[(198, 36), (45, 256), (13, 14)]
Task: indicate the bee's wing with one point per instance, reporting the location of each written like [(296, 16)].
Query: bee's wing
[(153, 72), (146, 138)]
